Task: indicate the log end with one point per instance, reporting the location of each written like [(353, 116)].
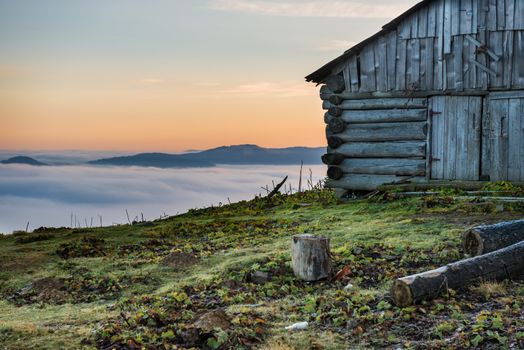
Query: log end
[(335, 173), (337, 125), (472, 243), (334, 142), (401, 294)]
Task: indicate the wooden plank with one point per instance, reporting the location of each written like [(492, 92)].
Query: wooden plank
[(403, 149), (495, 40), (437, 138), (455, 17), (518, 60), (521, 138), (466, 16), (367, 182), (384, 103), (458, 46), (413, 74), (404, 29), (423, 65), (391, 60), (353, 71), (514, 136), (447, 35), (519, 15), (429, 63), (379, 132), (466, 66), (475, 16), (401, 65), (423, 22), (473, 134), (504, 95), (347, 76), (486, 135), (501, 15), (432, 20), (483, 46), (461, 117), (499, 153), (492, 15), (384, 116), (510, 14), (381, 62), (367, 69), (414, 25), (482, 67), (384, 166), (439, 50), (508, 58)]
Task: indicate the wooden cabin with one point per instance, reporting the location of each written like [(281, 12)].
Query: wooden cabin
[(437, 94)]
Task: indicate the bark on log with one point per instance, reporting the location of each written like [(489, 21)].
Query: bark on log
[(336, 125), (332, 158), (377, 132), (336, 83), (335, 111), (488, 238), (400, 149), (334, 142), (383, 166), (384, 116), (498, 265), (367, 182), (311, 257), (386, 103), (436, 184), (335, 173), (336, 100)]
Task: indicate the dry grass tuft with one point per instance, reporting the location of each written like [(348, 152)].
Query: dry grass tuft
[(490, 289)]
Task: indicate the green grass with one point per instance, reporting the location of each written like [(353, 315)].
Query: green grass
[(111, 296)]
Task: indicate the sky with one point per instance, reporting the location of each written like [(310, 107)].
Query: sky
[(171, 75)]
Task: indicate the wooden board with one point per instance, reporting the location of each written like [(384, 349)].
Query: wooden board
[(404, 149), (455, 137), (367, 182), (384, 166), (384, 115), (506, 138), (380, 103), (376, 132)]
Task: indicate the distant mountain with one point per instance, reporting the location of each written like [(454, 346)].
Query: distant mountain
[(22, 160), (233, 155)]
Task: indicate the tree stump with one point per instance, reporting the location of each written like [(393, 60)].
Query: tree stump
[(311, 257)]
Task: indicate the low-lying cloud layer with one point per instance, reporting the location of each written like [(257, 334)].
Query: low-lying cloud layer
[(46, 196)]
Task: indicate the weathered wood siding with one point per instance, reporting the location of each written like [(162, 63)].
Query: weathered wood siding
[(455, 137), (448, 45), (505, 133)]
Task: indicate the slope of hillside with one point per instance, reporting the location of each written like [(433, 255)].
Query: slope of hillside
[(233, 155), (220, 278), (22, 160)]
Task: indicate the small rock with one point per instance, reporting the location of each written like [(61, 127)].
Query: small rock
[(258, 277), (349, 286), (298, 326), (213, 319)]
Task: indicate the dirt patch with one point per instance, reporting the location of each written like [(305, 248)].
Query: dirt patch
[(48, 289), (179, 259)]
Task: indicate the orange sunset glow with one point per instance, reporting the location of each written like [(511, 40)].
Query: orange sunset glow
[(109, 75)]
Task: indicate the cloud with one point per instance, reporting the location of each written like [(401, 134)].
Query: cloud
[(314, 8), (336, 45), (285, 89), (46, 196)]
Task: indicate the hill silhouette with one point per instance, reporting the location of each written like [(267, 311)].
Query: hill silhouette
[(22, 160), (229, 155)]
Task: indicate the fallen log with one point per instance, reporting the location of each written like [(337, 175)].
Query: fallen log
[(498, 265), (277, 188), (488, 238)]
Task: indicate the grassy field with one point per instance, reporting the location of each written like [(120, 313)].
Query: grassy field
[(185, 281)]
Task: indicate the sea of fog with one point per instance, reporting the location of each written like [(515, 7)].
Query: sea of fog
[(79, 194)]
